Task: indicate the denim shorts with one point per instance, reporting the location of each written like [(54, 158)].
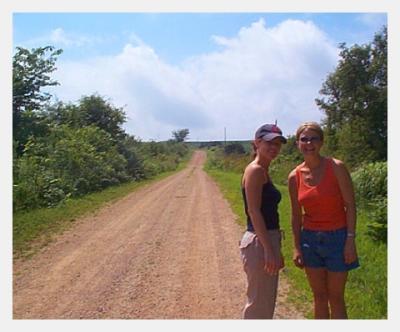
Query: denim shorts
[(325, 249)]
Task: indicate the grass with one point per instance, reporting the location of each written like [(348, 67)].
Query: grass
[(34, 229), (366, 289)]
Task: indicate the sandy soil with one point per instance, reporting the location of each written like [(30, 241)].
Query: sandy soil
[(167, 251)]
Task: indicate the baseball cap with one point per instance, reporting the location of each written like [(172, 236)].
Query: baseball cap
[(268, 132)]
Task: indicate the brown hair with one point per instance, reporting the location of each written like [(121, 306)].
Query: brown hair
[(310, 125), (254, 152)]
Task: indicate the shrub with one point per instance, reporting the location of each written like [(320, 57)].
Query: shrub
[(377, 227), (234, 148), (370, 182), (69, 162)]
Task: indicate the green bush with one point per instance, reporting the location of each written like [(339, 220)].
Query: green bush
[(234, 148), (370, 182), (69, 162), (377, 213)]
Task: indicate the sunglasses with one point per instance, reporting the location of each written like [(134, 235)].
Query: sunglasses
[(306, 139)]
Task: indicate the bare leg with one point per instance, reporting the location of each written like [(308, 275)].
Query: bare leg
[(317, 278), (336, 287)]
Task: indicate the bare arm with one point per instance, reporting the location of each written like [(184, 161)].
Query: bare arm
[(254, 181), (347, 191), (296, 219), (253, 186)]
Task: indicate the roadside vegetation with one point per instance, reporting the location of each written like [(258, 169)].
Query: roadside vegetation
[(69, 158), (355, 106)]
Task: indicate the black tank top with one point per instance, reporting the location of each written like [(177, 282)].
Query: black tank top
[(270, 199)]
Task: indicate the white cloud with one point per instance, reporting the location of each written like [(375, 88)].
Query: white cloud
[(260, 75), (59, 38)]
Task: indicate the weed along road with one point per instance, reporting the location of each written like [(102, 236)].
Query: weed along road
[(168, 250)]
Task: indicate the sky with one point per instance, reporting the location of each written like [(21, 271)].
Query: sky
[(208, 72)]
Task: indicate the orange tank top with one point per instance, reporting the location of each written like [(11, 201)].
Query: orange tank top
[(323, 205)]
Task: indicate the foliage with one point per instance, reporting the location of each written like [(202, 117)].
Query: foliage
[(377, 227), (162, 156), (355, 103), (180, 135), (31, 70), (90, 110), (71, 162), (97, 111), (234, 148), (217, 159), (129, 148), (370, 182), (68, 162)]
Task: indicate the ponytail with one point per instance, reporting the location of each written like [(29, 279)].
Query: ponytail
[(254, 153)]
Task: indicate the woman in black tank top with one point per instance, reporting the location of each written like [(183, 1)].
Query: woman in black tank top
[(260, 245)]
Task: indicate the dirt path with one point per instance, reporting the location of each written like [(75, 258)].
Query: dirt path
[(166, 251)]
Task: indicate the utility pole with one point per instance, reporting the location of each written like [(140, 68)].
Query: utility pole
[(224, 136)]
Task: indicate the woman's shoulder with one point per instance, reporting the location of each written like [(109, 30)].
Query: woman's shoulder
[(292, 173), (336, 163), (295, 170), (292, 177), (253, 167), (339, 168), (254, 171)]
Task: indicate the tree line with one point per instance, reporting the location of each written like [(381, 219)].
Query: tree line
[(63, 150)]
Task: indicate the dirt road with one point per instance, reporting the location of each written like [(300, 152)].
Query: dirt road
[(166, 251)]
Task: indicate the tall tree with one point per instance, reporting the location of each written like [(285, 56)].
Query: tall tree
[(355, 102), (31, 73)]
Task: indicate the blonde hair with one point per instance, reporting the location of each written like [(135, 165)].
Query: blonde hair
[(310, 125)]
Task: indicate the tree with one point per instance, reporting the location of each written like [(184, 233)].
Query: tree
[(97, 111), (180, 135), (31, 71), (355, 103)]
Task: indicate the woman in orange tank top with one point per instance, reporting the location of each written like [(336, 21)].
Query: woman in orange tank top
[(323, 222)]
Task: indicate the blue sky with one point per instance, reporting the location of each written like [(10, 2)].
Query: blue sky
[(201, 71), (174, 36)]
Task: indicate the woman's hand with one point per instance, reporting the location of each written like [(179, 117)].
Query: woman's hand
[(272, 263), (350, 252), (298, 258)]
